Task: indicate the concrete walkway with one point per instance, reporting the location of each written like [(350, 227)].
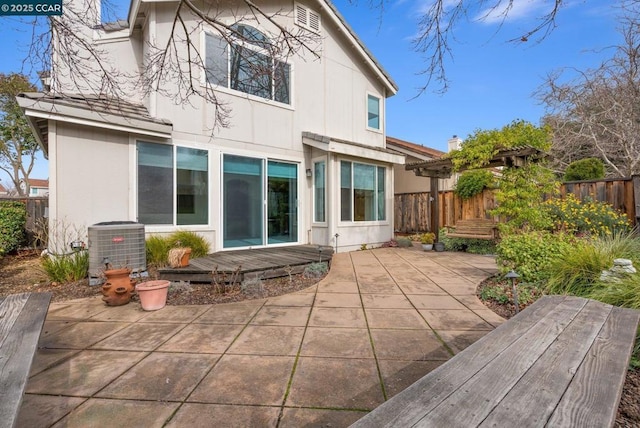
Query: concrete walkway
[(321, 357)]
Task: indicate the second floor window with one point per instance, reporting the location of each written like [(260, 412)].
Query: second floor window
[(246, 64), (373, 112)]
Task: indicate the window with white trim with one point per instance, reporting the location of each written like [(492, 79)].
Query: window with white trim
[(319, 192), (247, 64), (373, 112), (173, 184), (362, 192)]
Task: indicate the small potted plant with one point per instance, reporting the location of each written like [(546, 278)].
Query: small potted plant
[(179, 256), (426, 239)]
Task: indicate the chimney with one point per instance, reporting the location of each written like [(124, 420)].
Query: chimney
[(454, 143)]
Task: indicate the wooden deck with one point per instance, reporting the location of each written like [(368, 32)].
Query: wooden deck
[(21, 319), (560, 363), (261, 262)]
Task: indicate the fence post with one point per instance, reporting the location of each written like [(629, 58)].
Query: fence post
[(636, 196)]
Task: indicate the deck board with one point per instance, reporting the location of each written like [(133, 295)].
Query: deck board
[(265, 262), (561, 362), (21, 319)]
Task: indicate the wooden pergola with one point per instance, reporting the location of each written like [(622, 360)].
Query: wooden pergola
[(436, 169)]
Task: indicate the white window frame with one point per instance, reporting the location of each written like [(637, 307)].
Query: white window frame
[(228, 90), (380, 112), (326, 201), (174, 151), (375, 192)]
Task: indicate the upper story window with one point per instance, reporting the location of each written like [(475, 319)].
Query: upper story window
[(246, 64), (373, 112)]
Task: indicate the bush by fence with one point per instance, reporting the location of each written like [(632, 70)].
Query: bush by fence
[(413, 210)]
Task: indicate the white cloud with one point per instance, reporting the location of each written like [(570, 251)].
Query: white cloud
[(520, 9)]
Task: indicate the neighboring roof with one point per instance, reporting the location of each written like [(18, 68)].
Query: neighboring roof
[(37, 182), (417, 150), (350, 148), (89, 110), (327, 5), (3, 189)]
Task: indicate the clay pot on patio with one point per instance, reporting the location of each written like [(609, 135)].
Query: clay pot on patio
[(153, 294), (438, 246), (118, 287), (115, 296), (179, 257)]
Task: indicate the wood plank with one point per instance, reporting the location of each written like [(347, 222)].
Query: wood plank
[(410, 405), (16, 354), (474, 399), (607, 363), (9, 312), (537, 393)]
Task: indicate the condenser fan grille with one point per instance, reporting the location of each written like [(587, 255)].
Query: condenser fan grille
[(121, 243)]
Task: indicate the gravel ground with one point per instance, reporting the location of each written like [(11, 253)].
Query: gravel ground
[(22, 273)]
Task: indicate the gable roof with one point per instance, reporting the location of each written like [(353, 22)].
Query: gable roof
[(413, 149), (37, 182), (327, 6), (3, 189)]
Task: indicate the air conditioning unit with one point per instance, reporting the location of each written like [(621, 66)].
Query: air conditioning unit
[(121, 243)]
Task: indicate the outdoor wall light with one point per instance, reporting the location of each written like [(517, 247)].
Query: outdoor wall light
[(513, 276), (309, 174)]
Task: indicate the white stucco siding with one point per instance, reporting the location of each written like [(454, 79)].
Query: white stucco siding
[(91, 177)]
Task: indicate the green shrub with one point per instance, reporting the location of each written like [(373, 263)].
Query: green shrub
[(624, 293), (184, 238), (502, 293), (585, 217), (578, 269), (404, 242), (13, 218), (471, 183), (66, 267), (474, 246), (316, 270), (584, 169), (530, 253), (157, 249)]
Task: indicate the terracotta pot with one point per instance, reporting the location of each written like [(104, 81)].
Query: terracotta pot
[(115, 296), (153, 294), (179, 257), (119, 278)]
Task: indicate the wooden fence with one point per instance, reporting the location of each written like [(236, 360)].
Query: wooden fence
[(37, 211), (413, 210)]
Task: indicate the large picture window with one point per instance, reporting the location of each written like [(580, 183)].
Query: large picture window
[(362, 195), (246, 64), (173, 185)]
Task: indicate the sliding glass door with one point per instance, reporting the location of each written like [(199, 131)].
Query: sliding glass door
[(259, 207), (282, 188)]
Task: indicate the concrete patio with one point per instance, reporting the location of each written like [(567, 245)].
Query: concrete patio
[(324, 356)]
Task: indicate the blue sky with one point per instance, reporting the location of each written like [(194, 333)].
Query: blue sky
[(492, 80)]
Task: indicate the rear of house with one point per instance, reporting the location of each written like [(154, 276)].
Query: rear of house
[(303, 159)]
